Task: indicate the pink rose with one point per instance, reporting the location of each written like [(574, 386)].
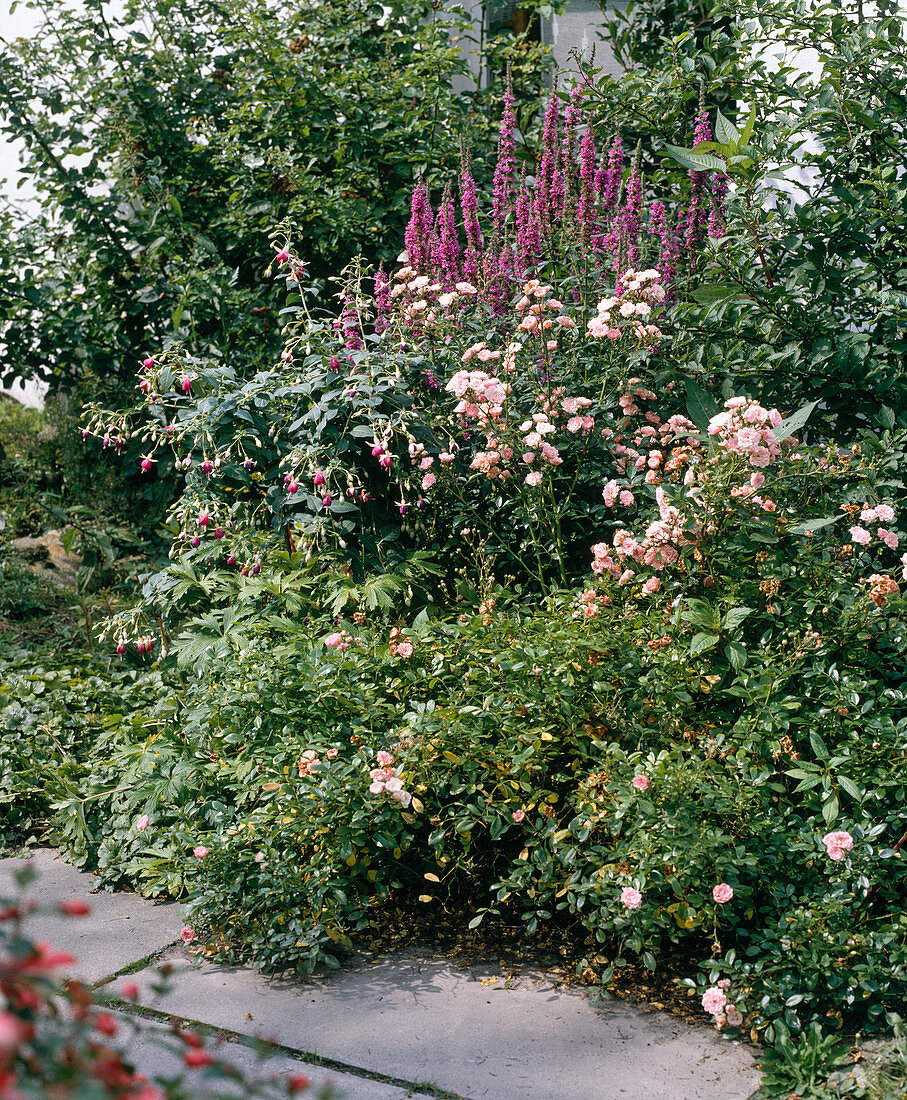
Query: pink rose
[(641, 782), (187, 935), (405, 649), (200, 852), (333, 639), (518, 816), (631, 897), (331, 754), (722, 893), (733, 1016), (713, 1001), (860, 536), (142, 823), (385, 759), (836, 844)]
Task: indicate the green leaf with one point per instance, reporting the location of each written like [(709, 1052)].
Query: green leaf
[(748, 128), (701, 642), (794, 422), (697, 162), (736, 654), (811, 525), (700, 405), (725, 131), (830, 810), (852, 789), (818, 745), (735, 617), (719, 292)]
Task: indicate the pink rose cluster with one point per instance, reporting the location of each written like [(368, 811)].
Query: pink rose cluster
[(746, 429), (308, 762), (836, 844), (631, 897), (657, 549), (338, 640), (386, 781), (872, 514), (591, 604), (629, 312), (481, 396), (716, 1003), (535, 308)]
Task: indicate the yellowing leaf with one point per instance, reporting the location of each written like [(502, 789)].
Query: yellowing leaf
[(408, 818), (431, 877), (452, 756), (351, 860), (546, 737), (417, 806), (524, 855), (271, 787), (426, 897)]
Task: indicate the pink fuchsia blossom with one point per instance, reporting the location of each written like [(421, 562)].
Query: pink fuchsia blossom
[(187, 935), (631, 897), (200, 851), (860, 536), (641, 782), (722, 893), (142, 823), (713, 1001), (405, 649)]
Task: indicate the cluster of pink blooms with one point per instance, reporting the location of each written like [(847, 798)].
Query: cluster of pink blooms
[(424, 462), (535, 321), (386, 781), (591, 604), (308, 762), (631, 897), (715, 1002), (746, 429), (884, 512), (836, 844), (481, 395), (339, 640), (627, 312)]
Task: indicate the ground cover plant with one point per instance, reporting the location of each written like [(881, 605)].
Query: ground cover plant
[(549, 577)]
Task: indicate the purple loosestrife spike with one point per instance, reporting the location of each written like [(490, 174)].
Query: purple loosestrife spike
[(608, 179), (696, 217), (547, 169), (529, 238), (505, 171), (586, 212), (717, 214), (630, 219), (382, 300), (450, 244), (418, 232), (469, 204)]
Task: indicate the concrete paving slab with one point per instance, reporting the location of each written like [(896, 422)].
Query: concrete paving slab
[(468, 1031), (121, 929), (153, 1051)]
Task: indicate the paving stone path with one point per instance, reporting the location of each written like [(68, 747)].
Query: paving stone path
[(409, 1025)]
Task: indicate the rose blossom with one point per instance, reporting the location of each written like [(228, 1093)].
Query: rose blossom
[(836, 844), (641, 782), (142, 823), (187, 935), (405, 649), (713, 1000), (733, 1016), (518, 816), (722, 893), (631, 897), (200, 852)]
